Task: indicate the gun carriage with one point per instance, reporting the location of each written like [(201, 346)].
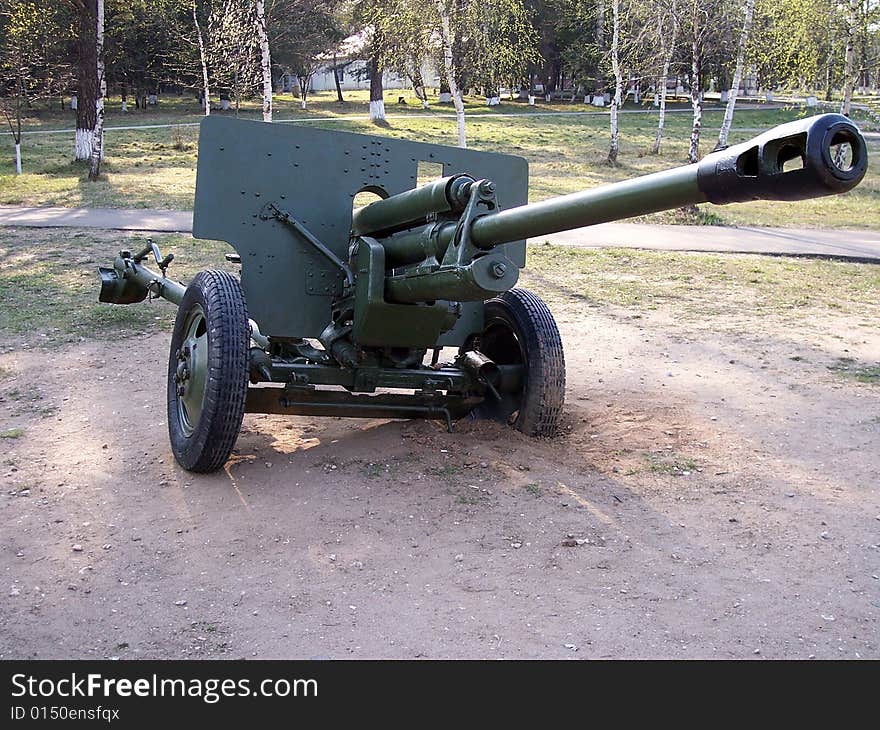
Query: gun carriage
[(339, 310)]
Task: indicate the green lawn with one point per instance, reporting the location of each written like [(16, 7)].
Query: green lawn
[(737, 289), (49, 287), (155, 168)]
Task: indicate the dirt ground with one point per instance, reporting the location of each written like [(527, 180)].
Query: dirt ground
[(711, 495)]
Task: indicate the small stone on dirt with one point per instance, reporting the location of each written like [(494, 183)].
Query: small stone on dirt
[(181, 602), (516, 545), (459, 558), (77, 548), (571, 647)]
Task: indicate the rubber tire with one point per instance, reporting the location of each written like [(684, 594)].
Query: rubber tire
[(540, 346), (213, 438)]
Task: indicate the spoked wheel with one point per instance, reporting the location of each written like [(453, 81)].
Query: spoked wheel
[(520, 330), (208, 371)]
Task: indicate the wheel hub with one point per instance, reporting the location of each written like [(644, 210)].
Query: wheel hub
[(190, 375)]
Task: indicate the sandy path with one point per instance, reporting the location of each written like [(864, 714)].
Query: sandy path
[(725, 498)]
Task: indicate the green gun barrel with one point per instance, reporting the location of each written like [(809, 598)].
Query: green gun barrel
[(448, 194), (760, 168), (753, 170)]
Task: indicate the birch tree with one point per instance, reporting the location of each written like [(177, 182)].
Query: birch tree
[(15, 130), (480, 44), (203, 59), (265, 58), (13, 65), (377, 90), (697, 22), (849, 70), (617, 71), (444, 13), (667, 22), (849, 75), (86, 77), (737, 74), (98, 134)]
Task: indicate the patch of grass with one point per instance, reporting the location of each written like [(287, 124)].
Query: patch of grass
[(49, 284), (534, 489), (703, 287), (447, 472), (670, 464), (470, 499), (372, 470), (12, 433), (155, 168), (861, 373), (29, 400)]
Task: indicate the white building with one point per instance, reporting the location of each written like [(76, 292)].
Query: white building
[(352, 69)]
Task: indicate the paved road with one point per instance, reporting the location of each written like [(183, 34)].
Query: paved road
[(802, 242)]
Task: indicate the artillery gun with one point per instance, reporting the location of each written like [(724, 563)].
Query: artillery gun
[(337, 310)]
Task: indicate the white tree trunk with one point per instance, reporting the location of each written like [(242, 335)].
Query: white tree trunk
[(98, 136), (458, 102), (377, 110), (737, 75), (449, 68), (204, 61), (618, 82), (18, 158), (265, 60), (304, 84), (82, 145), (849, 73), (696, 92), (668, 52)]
